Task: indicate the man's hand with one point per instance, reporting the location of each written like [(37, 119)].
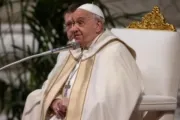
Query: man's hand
[(59, 107)]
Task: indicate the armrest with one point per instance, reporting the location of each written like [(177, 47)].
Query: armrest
[(157, 103)]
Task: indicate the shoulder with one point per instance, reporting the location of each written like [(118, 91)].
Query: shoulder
[(115, 46), (119, 47), (116, 51)]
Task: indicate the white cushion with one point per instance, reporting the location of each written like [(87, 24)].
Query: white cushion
[(158, 56), (157, 103)]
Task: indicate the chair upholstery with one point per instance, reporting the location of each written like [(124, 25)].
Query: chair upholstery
[(158, 56)]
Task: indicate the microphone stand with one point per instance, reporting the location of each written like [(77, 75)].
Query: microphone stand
[(27, 58), (73, 45)]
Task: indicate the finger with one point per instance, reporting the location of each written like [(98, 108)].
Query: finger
[(56, 113), (62, 108), (62, 112), (61, 115)]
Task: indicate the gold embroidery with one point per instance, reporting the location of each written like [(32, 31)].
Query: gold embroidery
[(153, 20), (57, 84), (79, 89)]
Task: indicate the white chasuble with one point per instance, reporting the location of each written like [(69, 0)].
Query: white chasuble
[(107, 85)]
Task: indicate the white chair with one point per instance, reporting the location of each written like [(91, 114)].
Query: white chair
[(158, 57)]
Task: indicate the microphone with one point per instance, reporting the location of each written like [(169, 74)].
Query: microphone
[(71, 45)]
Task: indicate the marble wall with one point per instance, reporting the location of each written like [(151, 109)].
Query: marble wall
[(169, 8)]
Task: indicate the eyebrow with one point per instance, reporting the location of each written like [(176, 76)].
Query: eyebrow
[(68, 21), (80, 18)]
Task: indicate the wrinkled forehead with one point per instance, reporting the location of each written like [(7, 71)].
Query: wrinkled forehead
[(81, 14)]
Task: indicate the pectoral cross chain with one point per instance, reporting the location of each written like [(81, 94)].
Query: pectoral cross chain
[(68, 85)]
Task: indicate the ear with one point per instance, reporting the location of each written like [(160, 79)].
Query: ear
[(98, 27)]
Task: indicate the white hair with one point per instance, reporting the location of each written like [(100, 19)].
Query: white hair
[(99, 18)]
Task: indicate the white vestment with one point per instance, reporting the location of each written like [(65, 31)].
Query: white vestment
[(33, 99), (107, 85)]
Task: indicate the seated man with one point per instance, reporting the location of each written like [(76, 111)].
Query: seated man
[(99, 81)]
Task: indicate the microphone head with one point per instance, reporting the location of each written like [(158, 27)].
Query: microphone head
[(74, 45)]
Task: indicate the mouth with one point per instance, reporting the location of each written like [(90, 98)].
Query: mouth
[(77, 37), (77, 40)]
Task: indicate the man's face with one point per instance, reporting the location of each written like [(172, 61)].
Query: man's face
[(85, 27), (68, 25)]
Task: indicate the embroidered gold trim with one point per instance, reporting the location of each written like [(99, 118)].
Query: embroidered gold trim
[(57, 85), (78, 93), (153, 20)]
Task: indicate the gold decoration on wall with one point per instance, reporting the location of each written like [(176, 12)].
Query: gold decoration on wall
[(153, 20)]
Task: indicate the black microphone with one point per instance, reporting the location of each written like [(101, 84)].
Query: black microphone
[(71, 45)]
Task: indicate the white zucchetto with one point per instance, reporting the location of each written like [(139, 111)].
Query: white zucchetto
[(92, 8)]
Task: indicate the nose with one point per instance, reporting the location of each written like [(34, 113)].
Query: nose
[(74, 28)]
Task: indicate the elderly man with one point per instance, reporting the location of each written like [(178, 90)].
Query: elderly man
[(101, 79), (32, 105)]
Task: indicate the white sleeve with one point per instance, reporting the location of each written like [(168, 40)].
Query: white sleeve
[(61, 57)]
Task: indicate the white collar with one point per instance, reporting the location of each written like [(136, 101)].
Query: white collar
[(97, 43)]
